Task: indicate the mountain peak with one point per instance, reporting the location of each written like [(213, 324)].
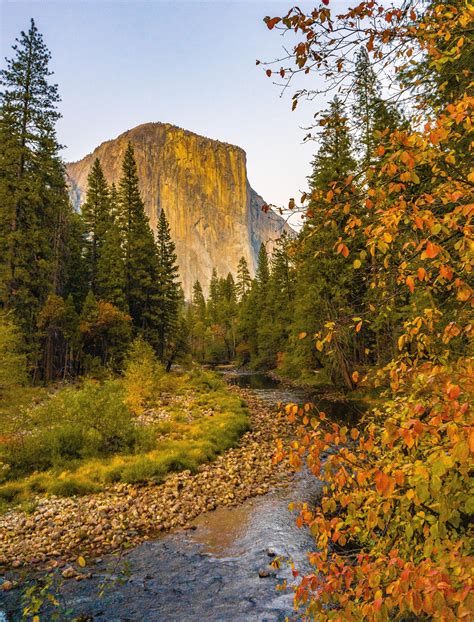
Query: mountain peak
[(215, 216)]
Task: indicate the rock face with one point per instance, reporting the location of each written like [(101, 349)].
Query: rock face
[(215, 216)]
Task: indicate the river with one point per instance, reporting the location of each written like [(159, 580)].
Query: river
[(217, 571)]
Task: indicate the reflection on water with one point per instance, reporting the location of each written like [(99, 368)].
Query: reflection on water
[(271, 391), (253, 381), (219, 531)]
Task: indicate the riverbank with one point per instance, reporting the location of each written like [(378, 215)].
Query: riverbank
[(59, 530)]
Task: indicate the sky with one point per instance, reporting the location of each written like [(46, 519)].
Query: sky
[(190, 63)]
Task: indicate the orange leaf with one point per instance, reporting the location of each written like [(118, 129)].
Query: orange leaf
[(453, 391), (431, 250), (384, 484), (411, 284), (446, 272), (271, 23)]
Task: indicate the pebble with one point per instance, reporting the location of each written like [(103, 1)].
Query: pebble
[(68, 573)]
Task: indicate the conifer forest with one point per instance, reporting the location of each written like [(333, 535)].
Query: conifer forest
[(217, 408)]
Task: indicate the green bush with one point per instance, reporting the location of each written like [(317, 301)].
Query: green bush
[(88, 422), (9, 492), (84, 438)]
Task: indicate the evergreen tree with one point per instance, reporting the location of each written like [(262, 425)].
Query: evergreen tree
[(96, 214), (114, 200), (35, 211), (213, 298), (76, 284), (372, 115), (244, 280), (142, 263), (366, 90), (227, 314), (262, 274), (197, 323), (110, 279), (274, 333), (324, 279), (334, 160), (169, 287), (199, 302)]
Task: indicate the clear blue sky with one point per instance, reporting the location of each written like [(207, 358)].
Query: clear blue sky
[(122, 63)]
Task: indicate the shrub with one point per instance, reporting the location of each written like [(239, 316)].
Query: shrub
[(76, 423), (141, 377)]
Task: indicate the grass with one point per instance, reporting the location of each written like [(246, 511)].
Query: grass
[(84, 438)]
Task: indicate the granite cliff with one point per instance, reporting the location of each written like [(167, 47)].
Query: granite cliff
[(215, 216)]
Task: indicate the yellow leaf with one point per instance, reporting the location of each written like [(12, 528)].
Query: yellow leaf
[(81, 561), (357, 263), (302, 335)]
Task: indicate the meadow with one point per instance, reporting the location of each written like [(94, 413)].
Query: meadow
[(133, 428)]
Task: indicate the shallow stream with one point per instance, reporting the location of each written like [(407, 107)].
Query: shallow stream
[(208, 573)]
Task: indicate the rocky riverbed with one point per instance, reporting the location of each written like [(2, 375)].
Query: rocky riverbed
[(212, 566)]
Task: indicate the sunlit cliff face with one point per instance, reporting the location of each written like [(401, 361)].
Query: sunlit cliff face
[(214, 215)]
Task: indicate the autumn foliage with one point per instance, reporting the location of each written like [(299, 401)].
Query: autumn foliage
[(392, 531)]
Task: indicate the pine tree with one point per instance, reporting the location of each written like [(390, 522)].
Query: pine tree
[(35, 211), (244, 280), (372, 115), (324, 279), (366, 90), (169, 287), (262, 274), (114, 200), (274, 334), (213, 302), (334, 160), (110, 279), (142, 269), (197, 322), (76, 284), (199, 302), (96, 214)]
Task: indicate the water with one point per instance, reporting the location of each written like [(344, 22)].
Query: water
[(212, 572)]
